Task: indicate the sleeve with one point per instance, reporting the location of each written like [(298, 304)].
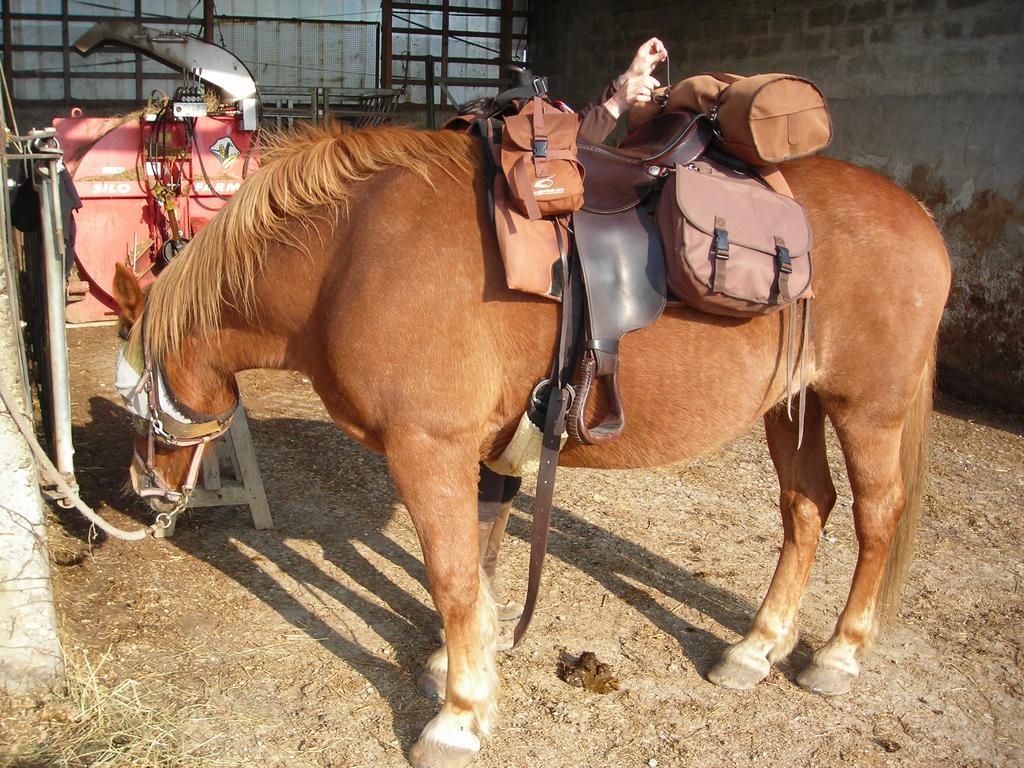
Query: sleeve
[(596, 122)]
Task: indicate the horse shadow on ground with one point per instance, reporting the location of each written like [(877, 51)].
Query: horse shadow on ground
[(300, 461), (984, 414)]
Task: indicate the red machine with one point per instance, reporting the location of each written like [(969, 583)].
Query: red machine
[(151, 180)]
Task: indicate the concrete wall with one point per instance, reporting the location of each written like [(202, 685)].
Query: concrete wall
[(929, 92)]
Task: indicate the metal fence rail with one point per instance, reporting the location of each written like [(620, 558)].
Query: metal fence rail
[(282, 106)]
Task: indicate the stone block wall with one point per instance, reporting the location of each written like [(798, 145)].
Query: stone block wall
[(928, 92)]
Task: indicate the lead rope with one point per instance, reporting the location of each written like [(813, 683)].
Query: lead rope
[(52, 475)]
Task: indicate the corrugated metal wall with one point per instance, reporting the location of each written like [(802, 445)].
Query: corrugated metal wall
[(303, 49), (356, 68)]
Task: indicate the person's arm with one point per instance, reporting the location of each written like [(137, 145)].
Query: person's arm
[(634, 86), (596, 121)]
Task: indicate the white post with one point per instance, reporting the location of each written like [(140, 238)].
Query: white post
[(30, 654)]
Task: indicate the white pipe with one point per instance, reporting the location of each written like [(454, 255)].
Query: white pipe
[(60, 384)]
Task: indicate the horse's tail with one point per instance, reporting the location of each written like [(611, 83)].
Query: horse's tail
[(913, 465)]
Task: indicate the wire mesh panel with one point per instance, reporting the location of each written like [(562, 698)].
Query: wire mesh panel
[(305, 54)]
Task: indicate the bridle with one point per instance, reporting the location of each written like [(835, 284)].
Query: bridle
[(168, 421)]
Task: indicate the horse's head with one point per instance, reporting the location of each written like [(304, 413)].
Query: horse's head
[(169, 437)]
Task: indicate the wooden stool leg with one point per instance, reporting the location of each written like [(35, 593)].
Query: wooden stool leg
[(211, 467), (229, 445), (246, 489), (249, 472)]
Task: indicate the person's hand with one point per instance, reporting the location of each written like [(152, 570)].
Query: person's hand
[(637, 89), (648, 57)]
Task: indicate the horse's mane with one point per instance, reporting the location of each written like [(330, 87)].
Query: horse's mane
[(303, 177)]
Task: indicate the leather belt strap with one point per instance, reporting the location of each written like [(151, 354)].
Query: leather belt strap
[(558, 399), (527, 88), (784, 267), (540, 139), (720, 246)]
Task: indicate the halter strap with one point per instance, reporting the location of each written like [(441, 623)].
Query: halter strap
[(176, 432)]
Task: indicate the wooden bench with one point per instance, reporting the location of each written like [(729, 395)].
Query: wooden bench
[(245, 489)]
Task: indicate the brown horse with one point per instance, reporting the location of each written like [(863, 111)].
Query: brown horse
[(365, 260)]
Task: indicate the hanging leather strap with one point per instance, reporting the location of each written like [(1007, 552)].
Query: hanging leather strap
[(540, 139), (542, 502), (554, 424), (805, 342)]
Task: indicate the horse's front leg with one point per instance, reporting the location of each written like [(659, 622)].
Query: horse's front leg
[(437, 481)]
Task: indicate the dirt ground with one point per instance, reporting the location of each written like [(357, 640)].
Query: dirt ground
[(300, 646)]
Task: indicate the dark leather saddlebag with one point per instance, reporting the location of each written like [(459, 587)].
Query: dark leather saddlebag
[(733, 246)]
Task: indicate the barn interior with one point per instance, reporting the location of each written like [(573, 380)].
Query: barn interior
[(283, 617)]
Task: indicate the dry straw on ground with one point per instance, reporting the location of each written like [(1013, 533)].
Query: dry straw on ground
[(88, 723)]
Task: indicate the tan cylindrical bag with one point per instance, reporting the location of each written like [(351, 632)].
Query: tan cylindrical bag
[(761, 119), (773, 118)]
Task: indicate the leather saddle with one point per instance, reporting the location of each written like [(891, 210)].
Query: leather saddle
[(618, 178), (621, 259)]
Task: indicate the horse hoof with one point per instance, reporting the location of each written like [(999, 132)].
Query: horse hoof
[(430, 754), (432, 684), (503, 640), (827, 681), (509, 610), (729, 674)]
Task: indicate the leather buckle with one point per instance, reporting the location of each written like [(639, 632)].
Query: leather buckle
[(721, 243), (540, 85), (783, 260), (540, 148)]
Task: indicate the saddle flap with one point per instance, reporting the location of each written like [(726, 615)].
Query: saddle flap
[(611, 184)]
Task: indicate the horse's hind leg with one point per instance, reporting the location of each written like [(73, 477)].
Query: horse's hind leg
[(807, 495), (494, 505), (873, 461), (437, 481)]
